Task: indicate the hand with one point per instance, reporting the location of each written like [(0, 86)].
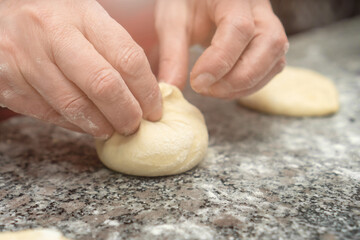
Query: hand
[(68, 62), (247, 44)]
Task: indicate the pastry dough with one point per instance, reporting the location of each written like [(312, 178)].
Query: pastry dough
[(173, 145), (295, 92), (36, 234)]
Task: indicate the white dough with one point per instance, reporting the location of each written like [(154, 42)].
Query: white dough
[(295, 92), (173, 145), (36, 234)]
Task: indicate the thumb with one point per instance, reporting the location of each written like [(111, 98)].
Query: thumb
[(171, 25)]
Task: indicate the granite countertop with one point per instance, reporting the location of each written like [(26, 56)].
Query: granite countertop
[(265, 177)]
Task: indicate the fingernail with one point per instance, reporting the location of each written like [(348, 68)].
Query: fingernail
[(155, 114), (131, 128), (129, 132), (202, 82)]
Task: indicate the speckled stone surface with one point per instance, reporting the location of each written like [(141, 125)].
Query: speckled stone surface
[(265, 177)]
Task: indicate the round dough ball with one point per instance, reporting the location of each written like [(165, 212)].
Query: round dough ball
[(173, 145), (295, 92)]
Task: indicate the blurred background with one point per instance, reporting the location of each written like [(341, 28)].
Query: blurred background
[(302, 15)]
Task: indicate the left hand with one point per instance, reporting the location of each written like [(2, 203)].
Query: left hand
[(246, 44)]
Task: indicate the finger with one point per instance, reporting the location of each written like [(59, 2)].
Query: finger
[(259, 58), (171, 26), (234, 32), (242, 93), (274, 71), (102, 84), (62, 122), (22, 98), (17, 95), (113, 42), (66, 98)]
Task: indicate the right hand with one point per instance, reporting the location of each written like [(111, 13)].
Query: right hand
[(68, 62)]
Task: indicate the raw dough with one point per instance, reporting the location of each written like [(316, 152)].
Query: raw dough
[(173, 145), (295, 92), (36, 234)]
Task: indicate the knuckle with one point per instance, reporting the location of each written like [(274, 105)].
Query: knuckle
[(225, 59), (37, 13), (61, 40), (244, 26), (248, 80), (280, 42), (60, 33), (73, 106), (55, 25), (104, 85), (131, 59), (8, 45)]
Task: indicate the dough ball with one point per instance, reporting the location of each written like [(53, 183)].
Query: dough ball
[(32, 234), (295, 92), (173, 145)]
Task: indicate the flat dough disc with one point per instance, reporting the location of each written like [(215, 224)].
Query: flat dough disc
[(295, 92), (32, 234), (173, 145)]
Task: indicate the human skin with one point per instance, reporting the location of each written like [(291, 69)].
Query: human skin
[(68, 62), (245, 42)]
